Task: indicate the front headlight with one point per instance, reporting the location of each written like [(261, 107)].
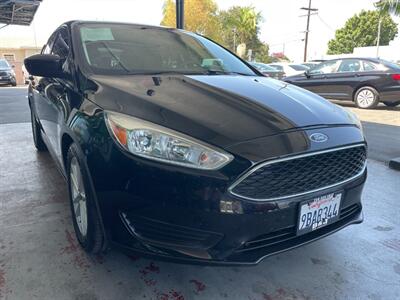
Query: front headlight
[(155, 142)]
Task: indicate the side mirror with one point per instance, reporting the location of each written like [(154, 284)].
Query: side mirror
[(307, 73), (45, 65), (13, 66)]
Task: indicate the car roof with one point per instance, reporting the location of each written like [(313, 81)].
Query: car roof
[(80, 22)]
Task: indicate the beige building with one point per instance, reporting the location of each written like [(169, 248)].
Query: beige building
[(16, 56)]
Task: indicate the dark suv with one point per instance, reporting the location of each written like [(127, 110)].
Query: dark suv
[(7, 74)]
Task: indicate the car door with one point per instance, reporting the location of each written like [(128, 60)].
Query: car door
[(345, 79), (38, 89), (317, 80), (58, 92), (53, 102)]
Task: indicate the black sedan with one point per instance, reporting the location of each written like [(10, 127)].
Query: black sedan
[(7, 74), (172, 146), (366, 81), (268, 71)]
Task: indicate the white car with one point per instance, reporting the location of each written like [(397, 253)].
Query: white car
[(289, 68)]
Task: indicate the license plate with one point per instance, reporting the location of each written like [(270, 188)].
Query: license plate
[(318, 212)]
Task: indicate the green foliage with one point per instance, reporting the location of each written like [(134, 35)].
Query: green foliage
[(389, 6), (200, 17), (237, 25), (361, 31)]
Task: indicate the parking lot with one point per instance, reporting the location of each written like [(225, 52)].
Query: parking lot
[(41, 259)]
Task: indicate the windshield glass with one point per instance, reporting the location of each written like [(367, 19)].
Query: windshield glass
[(299, 67), (4, 64), (134, 49)]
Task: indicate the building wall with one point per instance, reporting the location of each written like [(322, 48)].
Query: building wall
[(16, 56)]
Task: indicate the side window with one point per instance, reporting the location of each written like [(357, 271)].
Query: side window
[(278, 67), (350, 65), (325, 67), (61, 45), (368, 66)]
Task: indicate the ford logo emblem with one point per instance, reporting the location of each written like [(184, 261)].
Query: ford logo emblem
[(318, 137)]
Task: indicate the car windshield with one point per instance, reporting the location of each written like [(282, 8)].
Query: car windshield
[(4, 64), (299, 67), (134, 49), (263, 67)]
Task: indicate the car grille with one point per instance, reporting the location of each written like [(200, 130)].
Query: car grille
[(301, 174), (3, 74), (289, 233)]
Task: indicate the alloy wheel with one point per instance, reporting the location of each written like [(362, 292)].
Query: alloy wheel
[(365, 98), (78, 197)]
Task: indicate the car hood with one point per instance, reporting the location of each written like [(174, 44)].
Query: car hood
[(219, 109)]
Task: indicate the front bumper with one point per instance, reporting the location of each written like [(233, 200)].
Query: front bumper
[(173, 233), (7, 80), (186, 215)]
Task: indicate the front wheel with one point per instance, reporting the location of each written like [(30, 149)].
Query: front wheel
[(85, 218), (391, 104), (366, 97)]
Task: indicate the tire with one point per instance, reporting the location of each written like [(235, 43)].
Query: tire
[(366, 97), (37, 136), (85, 218), (13, 83), (392, 104)]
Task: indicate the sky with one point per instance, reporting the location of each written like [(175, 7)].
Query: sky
[(283, 27)]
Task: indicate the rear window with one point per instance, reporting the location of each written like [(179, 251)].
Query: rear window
[(390, 65), (299, 67)]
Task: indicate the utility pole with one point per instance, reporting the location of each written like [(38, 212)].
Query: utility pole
[(309, 10), (180, 13)]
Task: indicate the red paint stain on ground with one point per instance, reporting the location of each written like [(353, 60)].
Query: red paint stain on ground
[(71, 247), (2, 282), (267, 297), (151, 268), (171, 295), (200, 287), (79, 259)]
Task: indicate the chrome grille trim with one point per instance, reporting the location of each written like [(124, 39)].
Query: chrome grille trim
[(252, 170)]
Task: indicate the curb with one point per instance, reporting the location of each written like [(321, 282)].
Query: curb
[(395, 163)]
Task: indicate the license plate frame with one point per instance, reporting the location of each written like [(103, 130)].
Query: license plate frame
[(324, 210)]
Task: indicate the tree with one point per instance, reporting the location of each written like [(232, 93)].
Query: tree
[(389, 6), (200, 17), (241, 25), (361, 31)]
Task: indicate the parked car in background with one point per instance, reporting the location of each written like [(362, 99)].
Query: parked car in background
[(7, 74), (268, 70), (173, 147), (366, 81), (310, 64), (289, 68)]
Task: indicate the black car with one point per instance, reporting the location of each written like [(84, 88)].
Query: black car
[(366, 81), (267, 70), (7, 74), (174, 147)]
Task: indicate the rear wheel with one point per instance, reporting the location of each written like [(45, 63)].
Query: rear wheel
[(37, 136), (366, 97), (391, 104), (85, 218)]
